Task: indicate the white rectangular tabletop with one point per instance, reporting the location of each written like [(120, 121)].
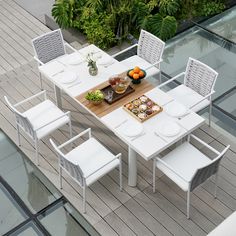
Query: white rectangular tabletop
[(53, 70), (150, 144)]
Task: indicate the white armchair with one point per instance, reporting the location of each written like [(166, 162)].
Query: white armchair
[(198, 87), (188, 167), (49, 46), (86, 163), (40, 120), (149, 53)]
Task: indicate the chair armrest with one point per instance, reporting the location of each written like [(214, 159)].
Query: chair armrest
[(125, 50), (58, 118), (76, 137), (118, 156), (171, 80), (205, 144), (32, 97), (70, 47), (154, 64), (40, 62), (171, 169), (204, 98)]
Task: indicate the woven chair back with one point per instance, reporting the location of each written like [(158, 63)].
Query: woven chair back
[(200, 77), (150, 48), (205, 172), (49, 46)]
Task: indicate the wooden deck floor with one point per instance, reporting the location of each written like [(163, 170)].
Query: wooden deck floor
[(134, 211)]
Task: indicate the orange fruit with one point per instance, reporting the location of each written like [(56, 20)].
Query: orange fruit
[(136, 69), (131, 73), (141, 74), (135, 76)]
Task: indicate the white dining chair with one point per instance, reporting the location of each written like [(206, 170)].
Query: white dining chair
[(49, 46), (188, 167), (149, 53), (198, 87), (87, 162), (39, 120)]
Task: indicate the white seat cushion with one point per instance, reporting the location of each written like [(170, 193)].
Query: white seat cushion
[(92, 156), (188, 97), (227, 227), (44, 113), (133, 61), (185, 160)]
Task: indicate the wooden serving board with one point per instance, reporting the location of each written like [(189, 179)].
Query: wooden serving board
[(105, 108), (142, 108), (116, 96)]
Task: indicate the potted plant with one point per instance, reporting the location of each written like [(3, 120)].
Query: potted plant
[(95, 97)]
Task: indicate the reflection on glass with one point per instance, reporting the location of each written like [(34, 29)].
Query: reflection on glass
[(28, 230), (29, 184), (68, 218), (10, 213), (227, 103)]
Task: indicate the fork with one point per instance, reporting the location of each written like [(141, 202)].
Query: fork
[(158, 135), (138, 136)]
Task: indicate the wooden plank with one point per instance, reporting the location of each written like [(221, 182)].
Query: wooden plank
[(132, 222), (173, 220), (146, 218), (118, 225), (28, 18), (104, 228), (105, 108)]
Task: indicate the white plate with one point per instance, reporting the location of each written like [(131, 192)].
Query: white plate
[(105, 60), (131, 128), (67, 77), (168, 129), (53, 68), (175, 109), (71, 59)]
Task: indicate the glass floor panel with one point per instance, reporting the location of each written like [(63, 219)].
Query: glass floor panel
[(26, 194), (10, 213), (29, 229), (223, 24), (68, 226)]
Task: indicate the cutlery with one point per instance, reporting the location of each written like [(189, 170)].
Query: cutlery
[(138, 136), (181, 117), (163, 139), (59, 72), (124, 121), (72, 85)]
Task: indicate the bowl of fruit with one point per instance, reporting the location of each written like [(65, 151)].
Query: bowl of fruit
[(136, 74)]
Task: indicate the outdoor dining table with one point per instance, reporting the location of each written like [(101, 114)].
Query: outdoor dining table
[(149, 143)]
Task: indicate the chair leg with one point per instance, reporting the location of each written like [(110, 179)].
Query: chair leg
[(120, 167), (84, 199), (216, 182), (41, 81), (60, 177), (18, 134), (70, 131), (210, 111), (154, 176), (188, 203), (37, 151)]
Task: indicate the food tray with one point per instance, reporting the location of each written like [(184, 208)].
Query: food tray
[(116, 96), (142, 108)]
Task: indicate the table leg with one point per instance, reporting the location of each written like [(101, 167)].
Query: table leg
[(132, 179), (58, 96)]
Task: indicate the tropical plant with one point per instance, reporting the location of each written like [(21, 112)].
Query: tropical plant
[(168, 7), (163, 27)]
